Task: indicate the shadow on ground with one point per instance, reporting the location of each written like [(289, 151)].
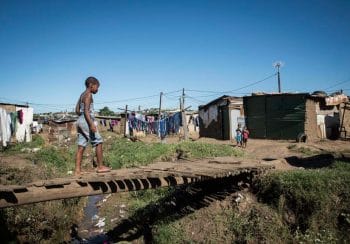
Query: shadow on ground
[(317, 161), (183, 201), (313, 162)]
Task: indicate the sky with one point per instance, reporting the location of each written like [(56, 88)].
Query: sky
[(138, 49)]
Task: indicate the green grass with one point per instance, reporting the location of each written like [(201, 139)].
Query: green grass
[(124, 153), (316, 200), (258, 224), (37, 142), (168, 233), (56, 161)]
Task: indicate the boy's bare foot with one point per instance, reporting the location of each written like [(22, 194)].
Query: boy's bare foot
[(103, 169)]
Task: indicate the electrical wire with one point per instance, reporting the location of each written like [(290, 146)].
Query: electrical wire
[(337, 84), (69, 106), (232, 91)]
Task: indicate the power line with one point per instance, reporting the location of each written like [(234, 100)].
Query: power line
[(237, 89), (252, 84), (337, 84), (166, 94), (195, 100)]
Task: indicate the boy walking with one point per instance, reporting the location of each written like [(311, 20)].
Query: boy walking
[(87, 126)]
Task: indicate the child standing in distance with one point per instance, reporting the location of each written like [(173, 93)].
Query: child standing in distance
[(245, 135), (239, 136), (87, 126)]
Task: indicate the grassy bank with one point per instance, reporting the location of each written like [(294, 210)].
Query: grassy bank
[(124, 153), (48, 222), (300, 206), (314, 204)]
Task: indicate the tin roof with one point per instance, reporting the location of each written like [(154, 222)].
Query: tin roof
[(13, 104), (224, 97)]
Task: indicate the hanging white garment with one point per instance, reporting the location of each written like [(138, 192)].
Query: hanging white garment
[(23, 132), (4, 135), (8, 127)]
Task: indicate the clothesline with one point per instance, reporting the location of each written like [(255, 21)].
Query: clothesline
[(161, 127)]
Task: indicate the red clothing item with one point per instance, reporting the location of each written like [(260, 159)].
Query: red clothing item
[(245, 134), (20, 116)]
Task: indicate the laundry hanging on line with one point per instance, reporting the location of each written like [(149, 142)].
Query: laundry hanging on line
[(165, 126), (15, 124)]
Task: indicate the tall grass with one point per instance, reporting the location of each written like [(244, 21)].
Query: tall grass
[(124, 153), (316, 201)]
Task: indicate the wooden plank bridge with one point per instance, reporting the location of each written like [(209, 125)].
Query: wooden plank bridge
[(161, 174)]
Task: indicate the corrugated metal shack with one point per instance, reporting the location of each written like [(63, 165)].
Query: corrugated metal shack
[(219, 118), (292, 116)]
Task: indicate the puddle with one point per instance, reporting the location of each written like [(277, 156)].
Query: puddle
[(91, 228)]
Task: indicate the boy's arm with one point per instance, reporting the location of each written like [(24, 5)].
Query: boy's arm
[(77, 107), (87, 102)]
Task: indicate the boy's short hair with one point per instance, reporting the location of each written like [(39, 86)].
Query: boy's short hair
[(91, 80)]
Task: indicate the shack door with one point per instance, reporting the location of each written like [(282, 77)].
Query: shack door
[(235, 113), (225, 123)]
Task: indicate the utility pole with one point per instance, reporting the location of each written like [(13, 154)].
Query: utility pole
[(126, 120), (277, 65), (183, 114), (160, 105)]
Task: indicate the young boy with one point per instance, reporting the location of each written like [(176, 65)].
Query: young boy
[(86, 126)]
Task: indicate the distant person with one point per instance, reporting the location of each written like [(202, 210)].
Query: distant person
[(245, 135), (87, 126), (239, 136)]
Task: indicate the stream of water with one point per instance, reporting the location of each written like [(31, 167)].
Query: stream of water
[(91, 229)]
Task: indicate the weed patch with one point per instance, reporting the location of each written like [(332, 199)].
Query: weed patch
[(54, 161), (124, 153), (37, 142), (314, 199)]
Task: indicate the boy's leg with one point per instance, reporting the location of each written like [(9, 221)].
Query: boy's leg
[(78, 159), (99, 154)]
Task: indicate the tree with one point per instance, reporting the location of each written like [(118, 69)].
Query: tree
[(105, 111)]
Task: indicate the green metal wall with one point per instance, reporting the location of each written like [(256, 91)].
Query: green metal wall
[(275, 116)]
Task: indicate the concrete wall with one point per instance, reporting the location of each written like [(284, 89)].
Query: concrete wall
[(312, 131), (346, 122), (321, 121)]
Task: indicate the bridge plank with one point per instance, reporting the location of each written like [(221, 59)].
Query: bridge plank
[(160, 174)]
